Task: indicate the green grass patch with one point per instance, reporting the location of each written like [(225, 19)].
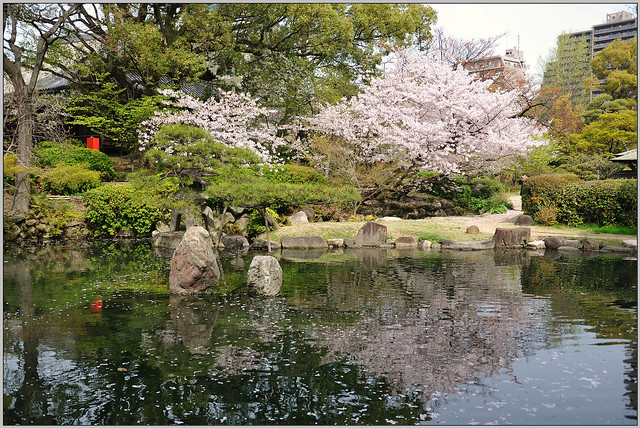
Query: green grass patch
[(611, 229)]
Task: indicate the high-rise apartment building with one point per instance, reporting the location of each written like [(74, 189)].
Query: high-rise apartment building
[(620, 25)]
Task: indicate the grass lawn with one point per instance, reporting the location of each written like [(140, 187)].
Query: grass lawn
[(437, 229)]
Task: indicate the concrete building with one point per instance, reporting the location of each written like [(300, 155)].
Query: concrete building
[(620, 25), (507, 71)]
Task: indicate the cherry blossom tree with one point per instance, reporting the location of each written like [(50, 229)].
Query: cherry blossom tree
[(235, 119), (439, 118)]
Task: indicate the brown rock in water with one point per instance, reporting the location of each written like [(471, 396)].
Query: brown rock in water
[(303, 242), (406, 242), (371, 235), (553, 243), (193, 266), (512, 237)]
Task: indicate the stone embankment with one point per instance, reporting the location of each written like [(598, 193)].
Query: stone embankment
[(374, 235)]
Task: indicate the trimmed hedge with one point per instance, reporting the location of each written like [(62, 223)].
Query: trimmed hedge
[(566, 199), (116, 207), (70, 180), (56, 154)]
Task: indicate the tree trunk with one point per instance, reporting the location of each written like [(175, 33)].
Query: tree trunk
[(224, 211), (20, 204)]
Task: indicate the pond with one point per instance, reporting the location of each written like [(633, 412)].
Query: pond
[(91, 336)]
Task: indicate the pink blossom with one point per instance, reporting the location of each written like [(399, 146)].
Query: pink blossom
[(441, 118)]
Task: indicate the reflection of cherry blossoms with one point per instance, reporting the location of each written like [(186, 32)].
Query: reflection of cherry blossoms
[(439, 116), (436, 328), (235, 119)]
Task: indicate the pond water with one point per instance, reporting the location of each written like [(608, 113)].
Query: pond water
[(91, 336)]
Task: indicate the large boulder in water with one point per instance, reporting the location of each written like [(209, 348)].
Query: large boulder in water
[(264, 276), (371, 235), (193, 266), (512, 237), (303, 242)]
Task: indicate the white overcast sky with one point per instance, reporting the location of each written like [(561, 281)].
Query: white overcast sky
[(538, 25)]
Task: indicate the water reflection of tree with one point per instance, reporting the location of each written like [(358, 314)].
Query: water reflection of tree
[(602, 291), (30, 406), (433, 323)]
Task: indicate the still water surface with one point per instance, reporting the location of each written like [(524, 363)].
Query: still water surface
[(91, 336)]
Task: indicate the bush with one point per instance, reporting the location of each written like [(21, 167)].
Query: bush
[(70, 180), (547, 215), (55, 154), (57, 213), (478, 195), (113, 208), (495, 204), (291, 173), (544, 189), (590, 167), (256, 225), (574, 202)]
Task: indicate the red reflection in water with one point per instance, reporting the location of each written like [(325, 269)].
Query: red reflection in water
[(96, 306)]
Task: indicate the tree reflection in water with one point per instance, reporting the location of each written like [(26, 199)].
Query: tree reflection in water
[(366, 337)]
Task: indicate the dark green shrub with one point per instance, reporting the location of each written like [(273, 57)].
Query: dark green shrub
[(495, 204), (56, 213), (116, 207), (485, 187), (590, 167), (70, 180), (543, 189), (55, 154), (604, 202), (291, 173), (256, 223)]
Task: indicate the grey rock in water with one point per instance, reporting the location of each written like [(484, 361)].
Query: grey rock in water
[(349, 243), (235, 242), (536, 245), (371, 235), (572, 243), (618, 249), (590, 245), (406, 242), (553, 243), (467, 245), (303, 242), (261, 244), (264, 276), (512, 237), (193, 265), (335, 243), (424, 244)]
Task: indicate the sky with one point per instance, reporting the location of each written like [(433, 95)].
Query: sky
[(538, 25)]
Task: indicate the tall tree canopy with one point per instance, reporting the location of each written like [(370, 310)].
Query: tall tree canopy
[(291, 55), (29, 31), (617, 64)]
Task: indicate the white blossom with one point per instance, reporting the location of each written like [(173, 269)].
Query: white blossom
[(438, 116)]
